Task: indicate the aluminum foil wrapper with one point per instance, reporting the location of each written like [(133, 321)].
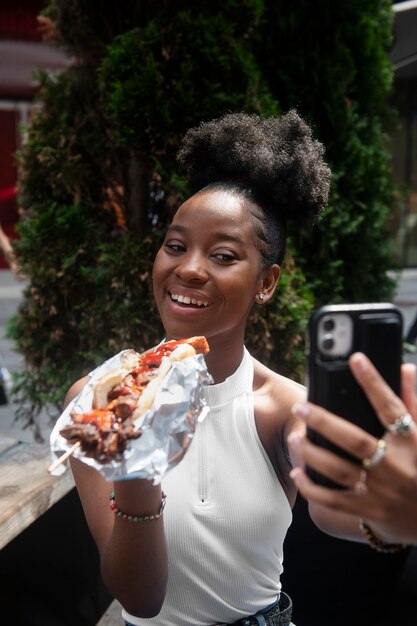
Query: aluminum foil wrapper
[(167, 428)]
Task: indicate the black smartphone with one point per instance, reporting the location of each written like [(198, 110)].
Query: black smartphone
[(334, 333)]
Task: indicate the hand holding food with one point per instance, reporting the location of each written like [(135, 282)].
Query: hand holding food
[(111, 412)]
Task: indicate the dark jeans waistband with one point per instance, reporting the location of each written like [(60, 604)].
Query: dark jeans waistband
[(277, 614)]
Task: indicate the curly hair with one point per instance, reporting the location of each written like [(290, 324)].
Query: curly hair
[(274, 163)]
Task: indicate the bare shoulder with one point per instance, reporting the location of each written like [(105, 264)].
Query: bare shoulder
[(274, 396), (277, 392)]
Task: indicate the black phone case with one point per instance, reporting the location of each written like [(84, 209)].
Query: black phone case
[(377, 332)]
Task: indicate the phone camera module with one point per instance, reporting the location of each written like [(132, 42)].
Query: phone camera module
[(335, 335)]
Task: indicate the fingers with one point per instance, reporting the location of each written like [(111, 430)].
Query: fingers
[(343, 434), (344, 500), (339, 431), (388, 406), (408, 388), (325, 462)]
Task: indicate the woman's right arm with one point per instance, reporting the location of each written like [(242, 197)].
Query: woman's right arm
[(133, 555)]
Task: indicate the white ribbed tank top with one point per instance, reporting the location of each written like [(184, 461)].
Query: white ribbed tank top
[(226, 516)]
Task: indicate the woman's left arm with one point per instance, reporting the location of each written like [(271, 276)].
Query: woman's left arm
[(384, 494)]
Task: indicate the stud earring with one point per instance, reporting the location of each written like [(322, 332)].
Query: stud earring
[(261, 296)]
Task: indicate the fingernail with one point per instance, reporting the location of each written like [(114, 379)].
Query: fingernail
[(294, 439), (360, 362), (297, 475), (301, 409)]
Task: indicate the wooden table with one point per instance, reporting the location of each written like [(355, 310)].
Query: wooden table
[(27, 490)]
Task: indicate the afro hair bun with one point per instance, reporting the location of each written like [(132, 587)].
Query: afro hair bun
[(277, 157)]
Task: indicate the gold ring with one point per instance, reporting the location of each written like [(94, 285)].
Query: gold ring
[(360, 487), (377, 456), (402, 425)]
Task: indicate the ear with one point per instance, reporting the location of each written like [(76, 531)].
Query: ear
[(267, 284)]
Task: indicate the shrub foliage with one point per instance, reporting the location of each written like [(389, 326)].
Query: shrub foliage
[(98, 177)]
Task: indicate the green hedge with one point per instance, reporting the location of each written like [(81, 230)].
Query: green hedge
[(98, 176)]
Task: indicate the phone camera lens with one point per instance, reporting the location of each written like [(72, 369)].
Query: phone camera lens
[(328, 324), (328, 342)]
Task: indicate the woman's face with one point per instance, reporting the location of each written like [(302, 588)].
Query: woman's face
[(207, 273)]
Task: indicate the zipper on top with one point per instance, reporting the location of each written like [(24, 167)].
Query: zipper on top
[(202, 464)]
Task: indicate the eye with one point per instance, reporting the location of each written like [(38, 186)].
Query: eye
[(224, 257), (174, 246)]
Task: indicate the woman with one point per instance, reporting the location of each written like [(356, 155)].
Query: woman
[(215, 556), (9, 255)]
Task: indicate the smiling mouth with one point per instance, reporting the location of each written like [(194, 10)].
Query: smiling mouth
[(189, 301)]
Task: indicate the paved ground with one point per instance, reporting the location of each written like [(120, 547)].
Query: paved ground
[(10, 295)]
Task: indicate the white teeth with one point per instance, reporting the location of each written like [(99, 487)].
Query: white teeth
[(187, 300)]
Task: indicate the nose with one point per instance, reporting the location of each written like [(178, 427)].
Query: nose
[(192, 268)]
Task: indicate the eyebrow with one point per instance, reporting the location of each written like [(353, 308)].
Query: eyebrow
[(220, 236)]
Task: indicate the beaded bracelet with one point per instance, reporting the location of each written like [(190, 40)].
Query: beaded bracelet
[(376, 543), (136, 518)]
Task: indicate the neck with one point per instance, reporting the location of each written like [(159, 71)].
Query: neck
[(223, 359)]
